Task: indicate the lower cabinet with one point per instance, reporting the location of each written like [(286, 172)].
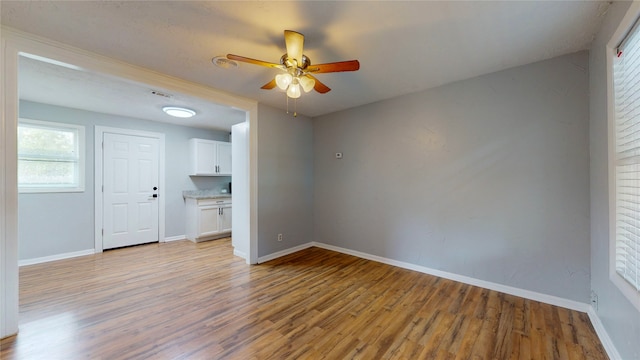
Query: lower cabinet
[(208, 219)]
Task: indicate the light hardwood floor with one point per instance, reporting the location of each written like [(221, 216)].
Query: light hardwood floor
[(182, 300)]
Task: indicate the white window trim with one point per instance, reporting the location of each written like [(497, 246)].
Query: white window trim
[(623, 29), (81, 159)]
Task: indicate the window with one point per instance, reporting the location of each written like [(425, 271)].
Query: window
[(625, 267), (50, 157)]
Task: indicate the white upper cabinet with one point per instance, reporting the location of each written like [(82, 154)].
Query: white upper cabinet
[(202, 157), (209, 158), (224, 158)]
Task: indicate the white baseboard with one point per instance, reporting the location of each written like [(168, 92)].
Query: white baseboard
[(175, 238), (239, 253), (285, 252), (603, 335), (45, 259)]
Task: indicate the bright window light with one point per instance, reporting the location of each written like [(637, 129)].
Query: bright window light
[(50, 157)]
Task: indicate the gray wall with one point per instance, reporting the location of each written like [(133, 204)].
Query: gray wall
[(486, 178), (285, 180), (57, 223), (620, 318)]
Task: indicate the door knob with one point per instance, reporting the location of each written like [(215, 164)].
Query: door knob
[(155, 188)]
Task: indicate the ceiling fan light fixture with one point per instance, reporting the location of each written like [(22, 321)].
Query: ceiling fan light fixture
[(296, 68), (283, 80), (294, 90), (179, 112), (307, 83)]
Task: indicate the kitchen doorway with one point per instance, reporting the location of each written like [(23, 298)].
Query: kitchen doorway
[(16, 45)]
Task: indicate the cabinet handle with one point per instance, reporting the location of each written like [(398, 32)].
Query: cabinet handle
[(219, 211)]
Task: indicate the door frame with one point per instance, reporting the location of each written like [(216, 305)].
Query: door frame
[(99, 171), (13, 44)]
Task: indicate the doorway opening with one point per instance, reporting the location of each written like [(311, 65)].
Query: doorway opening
[(17, 46), (128, 190)]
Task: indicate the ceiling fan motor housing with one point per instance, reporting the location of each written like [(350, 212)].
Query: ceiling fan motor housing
[(292, 63)]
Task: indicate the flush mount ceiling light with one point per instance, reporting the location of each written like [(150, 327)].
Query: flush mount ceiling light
[(178, 111)]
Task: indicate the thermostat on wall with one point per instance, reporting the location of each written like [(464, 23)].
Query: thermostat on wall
[(338, 155)]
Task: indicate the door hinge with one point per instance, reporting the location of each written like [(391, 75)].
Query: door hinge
[(102, 232)]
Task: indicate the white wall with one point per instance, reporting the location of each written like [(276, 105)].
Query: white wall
[(57, 223), (619, 317), (285, 180), (241, 209), (486, 178)]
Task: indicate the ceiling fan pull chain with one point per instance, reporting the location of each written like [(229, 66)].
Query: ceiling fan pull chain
[(295, 107)]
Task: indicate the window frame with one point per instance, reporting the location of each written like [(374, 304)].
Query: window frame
[(624, 29), (81, 148)]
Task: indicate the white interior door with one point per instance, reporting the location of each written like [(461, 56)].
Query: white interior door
[(130, 194)]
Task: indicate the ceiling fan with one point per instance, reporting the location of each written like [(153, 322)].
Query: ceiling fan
[(297, 69)]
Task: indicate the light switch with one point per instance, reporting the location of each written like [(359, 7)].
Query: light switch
[(338, 155)]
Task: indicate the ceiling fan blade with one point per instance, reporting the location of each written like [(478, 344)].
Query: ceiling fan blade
[(270, 85), (351, 65), (319, 86), (253, 61), (294, 42)]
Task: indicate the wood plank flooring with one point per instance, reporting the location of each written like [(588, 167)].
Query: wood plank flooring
[(182, 300)]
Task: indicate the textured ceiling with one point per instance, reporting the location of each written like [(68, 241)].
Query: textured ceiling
[(402, 47), (58, 85)]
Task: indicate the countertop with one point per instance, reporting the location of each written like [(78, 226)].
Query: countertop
[(204, 194)]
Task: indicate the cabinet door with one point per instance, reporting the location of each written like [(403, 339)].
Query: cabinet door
[(224, 159), (208, 220), (203, 157), (225, 218)]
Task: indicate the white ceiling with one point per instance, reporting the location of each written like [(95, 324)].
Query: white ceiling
[(403, 47), (58, 85)]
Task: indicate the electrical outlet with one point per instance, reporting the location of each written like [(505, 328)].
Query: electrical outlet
[(279, 237), (594, 300)]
